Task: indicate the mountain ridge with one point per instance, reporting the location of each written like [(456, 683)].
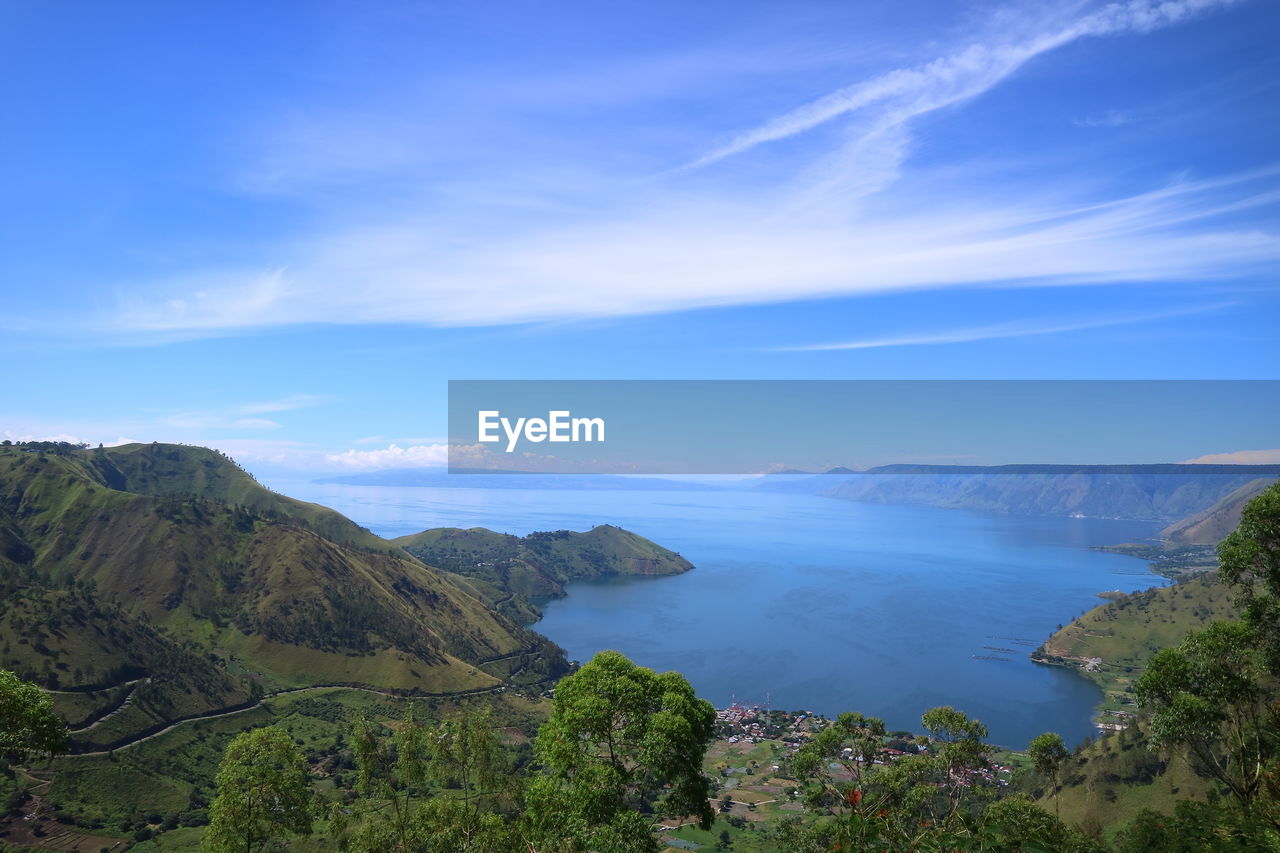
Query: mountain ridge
[(239, 579), (1160, 492)]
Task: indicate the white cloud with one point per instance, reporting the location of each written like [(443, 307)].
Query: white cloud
[(997, 331), (907, 93), (1239, 457), (713, 253), (216, 420), (67, 437), (393, 456), (838, 224), (382, 439)]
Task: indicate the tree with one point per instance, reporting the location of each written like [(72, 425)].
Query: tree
[(620, 739), (1249, 559), (1196, 827), (911, 802), (1209, 695), (264, 794), (959, 747), (464, 760), (1215, 693), (1047, 752), (28, 725)]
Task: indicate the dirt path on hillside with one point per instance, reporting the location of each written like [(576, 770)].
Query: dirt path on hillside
[(479, 691), (125, 701)]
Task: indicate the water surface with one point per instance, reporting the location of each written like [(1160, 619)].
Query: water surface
[(815, 603)]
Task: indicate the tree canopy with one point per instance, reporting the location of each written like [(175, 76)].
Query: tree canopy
[(1215, 694), (1249, 559), (28, 725), (620, 739), (264, 793)]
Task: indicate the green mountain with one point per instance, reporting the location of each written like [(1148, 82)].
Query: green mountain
[(515, 573), (1188, 547), (169, 564), (1212, 525)]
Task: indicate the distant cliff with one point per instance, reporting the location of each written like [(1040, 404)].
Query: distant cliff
[(1163, 493)]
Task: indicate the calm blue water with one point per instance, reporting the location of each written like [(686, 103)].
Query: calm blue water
[(820, 604)]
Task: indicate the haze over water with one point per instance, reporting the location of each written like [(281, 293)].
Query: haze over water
[(820, 604)]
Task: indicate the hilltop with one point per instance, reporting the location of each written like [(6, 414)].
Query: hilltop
[(170, 567), (516, 573)]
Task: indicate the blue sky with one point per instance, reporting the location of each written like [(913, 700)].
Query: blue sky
[(281, 231)]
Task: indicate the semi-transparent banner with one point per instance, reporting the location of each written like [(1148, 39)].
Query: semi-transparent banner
[(750, 427)]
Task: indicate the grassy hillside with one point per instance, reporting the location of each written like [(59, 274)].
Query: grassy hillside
[(168, 470), (170, 563), (1110, 780), (1212, 525), (515, 573), (72, 642), (1112, 643)]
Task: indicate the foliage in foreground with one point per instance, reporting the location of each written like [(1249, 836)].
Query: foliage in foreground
[(28, 725), (944, 798), (264, 794)]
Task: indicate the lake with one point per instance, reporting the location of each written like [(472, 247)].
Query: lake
[(815, 603)]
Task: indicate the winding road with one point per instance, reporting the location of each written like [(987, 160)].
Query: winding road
[(479, 691)]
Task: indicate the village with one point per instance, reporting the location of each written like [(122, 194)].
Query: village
[(750, 762)]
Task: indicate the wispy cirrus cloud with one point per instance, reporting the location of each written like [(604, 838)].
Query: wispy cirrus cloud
[(841, 222), (906, 93), (287, 403), (216, 420), (998, 331), (1111, 118), (244, 416), (712, 253)]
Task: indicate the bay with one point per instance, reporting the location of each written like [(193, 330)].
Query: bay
[(813, 603)]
